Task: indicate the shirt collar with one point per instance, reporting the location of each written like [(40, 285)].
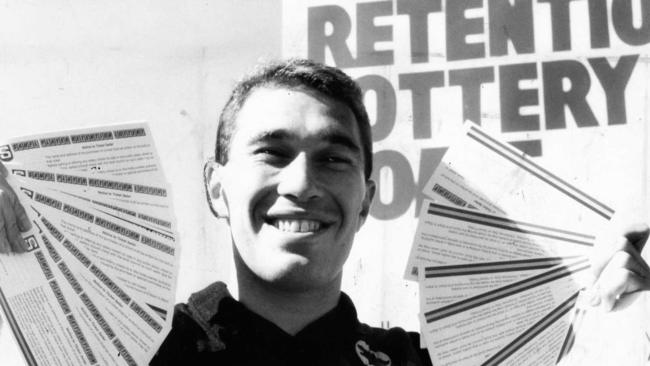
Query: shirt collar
[(239, 325)]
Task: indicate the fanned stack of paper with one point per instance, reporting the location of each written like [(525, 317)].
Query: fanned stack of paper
[(98, 282), (500, 254)]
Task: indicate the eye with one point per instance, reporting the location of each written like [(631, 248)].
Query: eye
[(337, 161), (272, 155), (267, 151)]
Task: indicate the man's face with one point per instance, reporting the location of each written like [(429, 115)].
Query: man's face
[(294, 187)]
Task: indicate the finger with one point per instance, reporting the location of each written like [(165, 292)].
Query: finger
[(4, 242), (619, 282), (631, 262), (24, 223), (4, 173), (12, 233), (624, 274), (601, 258), (631, 242), (16, 242), (638, 235)]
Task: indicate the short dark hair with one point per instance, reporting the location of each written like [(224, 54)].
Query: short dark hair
[(296, 74)]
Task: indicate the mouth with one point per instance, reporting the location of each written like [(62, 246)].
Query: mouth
[(297, 225)]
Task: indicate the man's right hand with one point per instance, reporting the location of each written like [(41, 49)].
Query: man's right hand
[(13, 218)]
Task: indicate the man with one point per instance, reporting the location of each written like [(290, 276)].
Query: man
[(292, 178)]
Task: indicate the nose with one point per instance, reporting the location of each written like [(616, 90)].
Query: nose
[(299, 180)]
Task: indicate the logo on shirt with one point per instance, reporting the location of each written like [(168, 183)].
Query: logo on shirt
[(370, 357)]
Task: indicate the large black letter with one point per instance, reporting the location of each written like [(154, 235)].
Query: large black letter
[(528, 147), (555, 97), (470, 81), (386, 104), (403, 185), (458, 27), (513, 98), (598, 23), (614, 80), (420, 85), (368, 34), (429, 160), (418, 12), (514, 22), (622, 18), (318, 41), (560, 24)]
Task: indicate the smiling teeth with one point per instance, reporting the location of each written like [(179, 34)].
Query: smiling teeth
[(297, 226)]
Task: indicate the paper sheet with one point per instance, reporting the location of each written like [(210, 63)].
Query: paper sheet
[(98, 282), (501, 253)]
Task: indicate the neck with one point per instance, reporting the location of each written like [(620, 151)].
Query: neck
[(290, 310)]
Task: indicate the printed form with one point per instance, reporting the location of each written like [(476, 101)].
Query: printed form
[(97, 284), (501, 253)]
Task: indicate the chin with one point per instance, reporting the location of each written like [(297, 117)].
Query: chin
[(296, 275)]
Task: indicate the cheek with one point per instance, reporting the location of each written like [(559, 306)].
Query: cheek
[(242, 186), (351, 200), (249, 197)]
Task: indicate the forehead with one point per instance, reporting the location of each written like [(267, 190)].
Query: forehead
[(294, 114)]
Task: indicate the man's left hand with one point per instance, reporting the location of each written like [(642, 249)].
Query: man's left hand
[(623, 270)]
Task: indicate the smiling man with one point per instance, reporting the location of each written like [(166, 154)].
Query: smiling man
[(292, 178)]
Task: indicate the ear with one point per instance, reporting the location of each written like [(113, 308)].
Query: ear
[(367, 200), (212, 179)]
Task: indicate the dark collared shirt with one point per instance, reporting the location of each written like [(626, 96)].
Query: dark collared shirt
[(215, 329)]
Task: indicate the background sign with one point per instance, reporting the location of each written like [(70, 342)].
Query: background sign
[(564, 81)]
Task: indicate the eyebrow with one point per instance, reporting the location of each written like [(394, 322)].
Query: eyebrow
[(332, 136)]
